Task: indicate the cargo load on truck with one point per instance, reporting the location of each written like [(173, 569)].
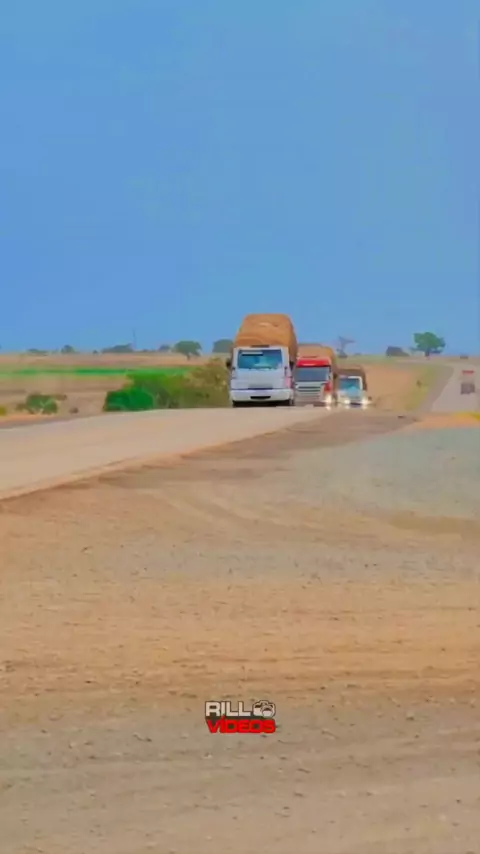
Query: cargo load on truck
[(352, 389), (354, 371), (267, 330), (315, 378), (262, 361), (318, 351)]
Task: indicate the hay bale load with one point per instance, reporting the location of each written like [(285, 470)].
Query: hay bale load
[(354, 371), (268, 330), (319, 351)]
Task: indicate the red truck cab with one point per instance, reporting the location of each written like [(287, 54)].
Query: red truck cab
[(314, 383)]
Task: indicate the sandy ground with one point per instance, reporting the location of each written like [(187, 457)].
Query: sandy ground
[(128, 601), (439, 421)]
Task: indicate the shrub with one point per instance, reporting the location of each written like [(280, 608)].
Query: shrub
[(129, 400), (206, 386), (38, 404), (3, 410), (395, 351)]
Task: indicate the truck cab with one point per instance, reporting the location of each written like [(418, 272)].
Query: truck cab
[(352, 388), (260, 376), (314, 382)]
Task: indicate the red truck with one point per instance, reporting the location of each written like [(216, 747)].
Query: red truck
[(315, 379)]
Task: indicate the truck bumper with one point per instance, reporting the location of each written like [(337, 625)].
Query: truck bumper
[(259, 396)]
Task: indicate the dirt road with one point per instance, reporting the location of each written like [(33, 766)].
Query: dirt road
[(451, 400), (252, 571), (45, 454)]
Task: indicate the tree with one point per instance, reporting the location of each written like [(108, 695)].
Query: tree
[(223, 345), (164, 348), (342, 345), (118, 348), (395, 351), (67, 348), (188, 348), (428, 343)]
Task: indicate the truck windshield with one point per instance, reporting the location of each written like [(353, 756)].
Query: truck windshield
[(312, 375), (259, 360), (350, 384)]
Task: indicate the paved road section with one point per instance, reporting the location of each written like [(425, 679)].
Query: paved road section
[(451, 400), (42, 456)]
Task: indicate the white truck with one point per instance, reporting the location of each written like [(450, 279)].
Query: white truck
[(262, 360)]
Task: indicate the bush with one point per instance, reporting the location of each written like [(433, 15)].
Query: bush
[(395, 351), (3, 410), (129, 400), (38, 404), (206, 386)]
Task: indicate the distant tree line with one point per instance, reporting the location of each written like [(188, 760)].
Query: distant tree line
[(427, 343), (185, 347)]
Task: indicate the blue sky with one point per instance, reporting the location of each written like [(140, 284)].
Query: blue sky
[(170, 165)]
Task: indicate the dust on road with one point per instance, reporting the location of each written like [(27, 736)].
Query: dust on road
[(128, 601)]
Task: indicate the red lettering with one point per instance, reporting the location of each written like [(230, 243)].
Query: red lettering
[(243, 725)]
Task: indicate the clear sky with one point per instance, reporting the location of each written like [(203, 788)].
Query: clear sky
[(170, 165)]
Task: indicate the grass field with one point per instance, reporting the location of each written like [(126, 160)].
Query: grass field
[(92, 371), (81, 381)]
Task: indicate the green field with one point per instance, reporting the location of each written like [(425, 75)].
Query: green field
[(92, 372)]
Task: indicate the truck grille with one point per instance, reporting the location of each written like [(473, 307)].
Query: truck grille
[(309, 393)]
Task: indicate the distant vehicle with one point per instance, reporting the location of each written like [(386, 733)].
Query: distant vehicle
[(314, 382), (352, 388), (262, 360), (467, 381)]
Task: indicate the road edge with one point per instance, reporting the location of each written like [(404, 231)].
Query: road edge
[(445, 374)]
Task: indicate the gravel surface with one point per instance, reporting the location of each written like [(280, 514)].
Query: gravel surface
[(435, 473), (255, 571)]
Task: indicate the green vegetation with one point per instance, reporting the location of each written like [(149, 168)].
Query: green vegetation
[(425, 380), (39, 404), (223, 346), (428, 343), (88, 371), (188, 348), (205, 386), (3, 410), (129, 400)]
